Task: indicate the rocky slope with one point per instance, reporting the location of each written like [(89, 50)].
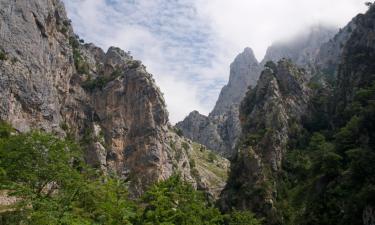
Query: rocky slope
[(220, 130), (50, 80)]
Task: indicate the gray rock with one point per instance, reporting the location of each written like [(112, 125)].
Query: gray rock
[(220, 130)]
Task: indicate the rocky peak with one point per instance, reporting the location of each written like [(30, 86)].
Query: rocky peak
[(220, 130), (244, 71)]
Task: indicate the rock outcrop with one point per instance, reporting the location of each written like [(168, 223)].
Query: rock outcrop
[(50, 80), (270, 112), (221, 129)]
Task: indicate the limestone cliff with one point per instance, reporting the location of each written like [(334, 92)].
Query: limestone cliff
[(51, 80)]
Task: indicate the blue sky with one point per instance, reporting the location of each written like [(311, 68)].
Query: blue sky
[(188, 44)]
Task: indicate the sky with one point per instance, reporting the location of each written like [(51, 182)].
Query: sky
[(188, 45)]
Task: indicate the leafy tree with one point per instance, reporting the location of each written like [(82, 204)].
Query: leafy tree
[(54, 186)]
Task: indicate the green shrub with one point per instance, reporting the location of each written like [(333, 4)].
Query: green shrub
[(179, 132), (185, 146), (212, 157), (80, 63), (101, 81), (242, 218), (3, 55)]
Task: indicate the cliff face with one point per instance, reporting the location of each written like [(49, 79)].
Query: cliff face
[(330, 53), (356, 68), (221, 129), (270, 112), (50, 80), (36, 67)]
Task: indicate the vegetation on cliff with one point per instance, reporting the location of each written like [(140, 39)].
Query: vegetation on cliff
[(52, 184)]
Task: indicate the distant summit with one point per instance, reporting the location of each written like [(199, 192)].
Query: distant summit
[(221, 129)]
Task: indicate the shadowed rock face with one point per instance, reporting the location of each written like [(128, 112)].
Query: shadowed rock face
[(220, 130), (267, 114), (107, 100)]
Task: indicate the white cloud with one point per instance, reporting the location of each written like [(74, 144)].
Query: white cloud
[(189, 44)]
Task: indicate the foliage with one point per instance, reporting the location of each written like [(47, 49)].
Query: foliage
[(212, 157), (330, 180), (53, 186), (80, 63), (242, 217), (176, 202), (3, 55), (101, 81), (179, 132)]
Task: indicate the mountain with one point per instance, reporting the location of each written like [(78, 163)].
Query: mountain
[(302, 49), (51, 81), (307, 146), (220, 130)]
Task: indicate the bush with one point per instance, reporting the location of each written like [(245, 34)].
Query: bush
[(185, 146), (242, 217), (54, 186), (3, 55), (179, 132), (80, 63), (212, 157), (100, 82)]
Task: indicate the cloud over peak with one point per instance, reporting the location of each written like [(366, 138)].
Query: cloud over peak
[(189, 44)]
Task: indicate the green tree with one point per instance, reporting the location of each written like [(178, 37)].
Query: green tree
[(54, 186), (176, 202)]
